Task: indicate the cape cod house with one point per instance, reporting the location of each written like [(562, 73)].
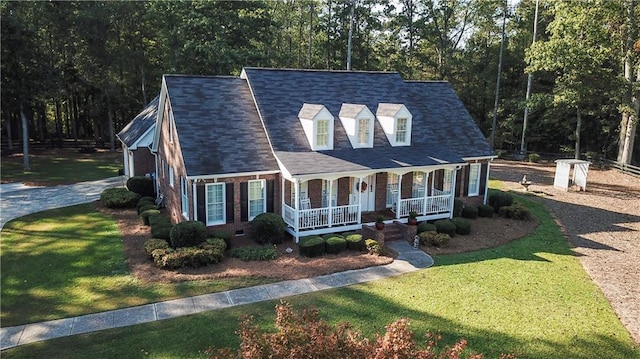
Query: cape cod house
[(326, 150), (136, 138)]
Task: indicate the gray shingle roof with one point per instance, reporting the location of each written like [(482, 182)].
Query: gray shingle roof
[(442, 130), (140, 124), (218, 126)]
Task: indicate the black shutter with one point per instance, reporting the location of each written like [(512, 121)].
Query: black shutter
[(202, 205), (459, 174), (270, 184), (466, 171), (229, 202), (244, 201), (483, 178)]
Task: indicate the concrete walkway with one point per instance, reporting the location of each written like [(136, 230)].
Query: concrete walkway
[(17, 200)]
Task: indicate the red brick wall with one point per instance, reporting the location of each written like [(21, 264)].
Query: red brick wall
[(381, 191), (143, 162), (343, 191), (407, 185), (315, 192)]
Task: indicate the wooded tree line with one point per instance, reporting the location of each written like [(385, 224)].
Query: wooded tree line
[(83, 70)]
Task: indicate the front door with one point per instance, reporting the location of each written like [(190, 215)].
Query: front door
[(368, 193)]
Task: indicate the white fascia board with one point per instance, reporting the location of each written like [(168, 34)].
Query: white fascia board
[(363, 173), (479, 158), (161, 104), (231, 175), (146, 139)]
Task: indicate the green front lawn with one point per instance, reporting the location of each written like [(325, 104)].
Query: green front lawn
[(530, 297), (69, 261), (66, 166)]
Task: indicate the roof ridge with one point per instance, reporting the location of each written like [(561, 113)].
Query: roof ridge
[(323, 70), (202, 76)]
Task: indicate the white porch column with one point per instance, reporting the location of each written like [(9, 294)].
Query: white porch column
[(486, 183), (454, 173), (426, 192), (195, 200), (398, 204), (296, 198), (358, 187), (330, 214)]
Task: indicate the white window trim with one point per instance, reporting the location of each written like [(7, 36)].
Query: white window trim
[(369, 128), (171, 123), (476, 181), (264, 197), (326, 146), (184, 196), (171, 176), (224, 204), (447, 181), (162, 165), (406, 131)]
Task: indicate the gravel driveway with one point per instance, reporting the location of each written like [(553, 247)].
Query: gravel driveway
[(603, 225)]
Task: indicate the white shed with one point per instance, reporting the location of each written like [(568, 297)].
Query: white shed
[(566, 178)]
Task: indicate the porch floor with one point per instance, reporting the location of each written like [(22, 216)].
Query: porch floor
[(370, 217)]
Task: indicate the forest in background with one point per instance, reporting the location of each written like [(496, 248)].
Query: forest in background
[(82, 70)]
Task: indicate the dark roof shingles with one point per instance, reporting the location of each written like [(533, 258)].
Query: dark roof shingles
[(140, 124)]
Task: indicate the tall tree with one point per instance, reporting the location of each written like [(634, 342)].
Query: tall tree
[(631, 101)]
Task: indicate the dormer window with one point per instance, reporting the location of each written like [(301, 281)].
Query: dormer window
[(357, 121), (317, 123), (395, 120)]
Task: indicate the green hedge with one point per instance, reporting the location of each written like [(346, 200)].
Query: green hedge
[(445, 226), (458, 206), (470, 212), (426, 227), (335, 244), (268, 228), (187, 234), (355, 242), (148, 213), (500, 199), (434, 238), (485, 210), (119, 198), (373, 247), (144, 203), (161, 230), (254, 253), (187, 257), (141, 185), (152, 244), (222, 234), (463, 225), (312, 246), (515, 211)]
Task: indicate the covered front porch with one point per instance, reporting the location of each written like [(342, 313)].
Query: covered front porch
[(327, 204)]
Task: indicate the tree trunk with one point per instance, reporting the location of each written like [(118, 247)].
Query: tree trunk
[(630, 116), (578, 128), (7, 122), (112, 142), (25, 138)]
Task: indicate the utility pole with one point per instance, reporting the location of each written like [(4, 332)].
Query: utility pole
[(523, 144), (495, 105), (353, 5)]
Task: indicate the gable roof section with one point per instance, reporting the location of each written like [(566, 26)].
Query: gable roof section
[(140, 124), (280, 94), (218, 127)]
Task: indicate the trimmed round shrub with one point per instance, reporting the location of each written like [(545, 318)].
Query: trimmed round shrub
[(500, 199), (254, 253), (146, 214), (355, 242), (152, 244), (426, 227), (217, 244), (147, 199), (312, 246), (119, 198), (485, 211), (458, 206), (141, 185), (463, 225), (187, 257), (226, 236), (144, 204), (335, 244), (470, 212), (373, 247), (187, 234), (146, 207), (268, 228), (434, 238), (159, 219), (329, 235), (445, 226), (161, 230), (515, 211)]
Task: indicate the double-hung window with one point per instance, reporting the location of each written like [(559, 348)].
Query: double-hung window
[(363, 131), (401, 130), (171, 176), (474, 179), (392, 189), (322, 133), (184, 192), (214, 200), (446, 181), (257, 202), (419, 184)]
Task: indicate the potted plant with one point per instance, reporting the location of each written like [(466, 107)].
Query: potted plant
[(413, 218), (380, 223)]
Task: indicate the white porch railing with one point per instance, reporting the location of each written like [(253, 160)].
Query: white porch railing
[(434, 204), (319, 217)]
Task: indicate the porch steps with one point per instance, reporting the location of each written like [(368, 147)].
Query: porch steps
[(392, 232)]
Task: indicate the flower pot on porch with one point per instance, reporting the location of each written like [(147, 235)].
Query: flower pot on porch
[(380, 226), (412, 221)]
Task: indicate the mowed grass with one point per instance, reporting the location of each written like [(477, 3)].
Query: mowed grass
[(69, 261), (61, 166), (530, 297)]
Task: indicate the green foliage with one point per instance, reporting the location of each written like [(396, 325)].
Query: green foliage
[(217, 244), (499, 199), (463, 225), (534, 157), (373, 247), (329, 235), (159, 219), (434, 238), (144, 203), (119, 198), (335, 244), (470, 212), (161, 229), (485, 210), (458, 206), (311, 246), (254, 253), (355, 242), (141, 185), (148, 213), (445, 226), (193, 257), (152, 244), (515, 211), (268, 228), (187, 234), (222, 234), (147, 199), (426, 226)]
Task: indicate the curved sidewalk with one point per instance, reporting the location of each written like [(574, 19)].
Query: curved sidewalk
[(17, 200), (408, 260)]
